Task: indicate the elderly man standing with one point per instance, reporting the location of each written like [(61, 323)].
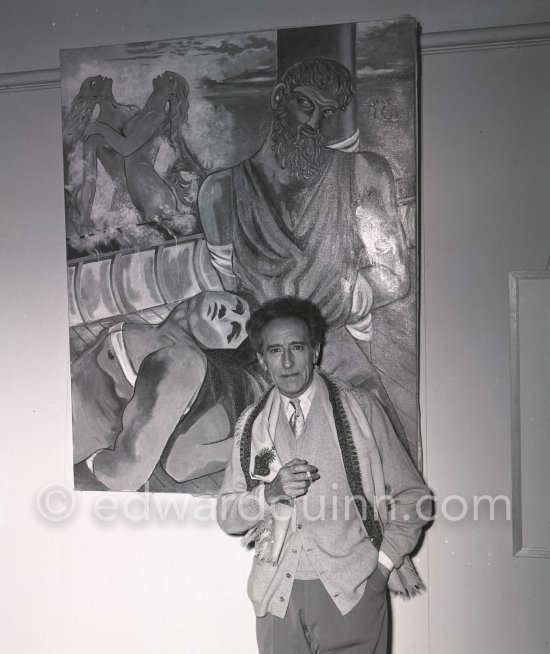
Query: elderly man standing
[(320, 483)]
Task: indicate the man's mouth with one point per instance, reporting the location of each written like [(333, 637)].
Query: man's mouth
[(308, 131)]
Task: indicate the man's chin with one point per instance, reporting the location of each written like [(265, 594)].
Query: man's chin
[(292, 385), (299, 150)]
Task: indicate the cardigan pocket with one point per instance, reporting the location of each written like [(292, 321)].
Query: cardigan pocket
[(259, 580)]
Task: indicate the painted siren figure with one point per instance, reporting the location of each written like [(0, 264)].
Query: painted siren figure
[(159, 402), (94, 92), (164, 114)]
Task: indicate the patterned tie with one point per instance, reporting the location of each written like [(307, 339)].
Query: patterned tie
[(297, 420)]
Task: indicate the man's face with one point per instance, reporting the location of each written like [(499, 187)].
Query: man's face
[(298, 129), (308, 109), (217, 319), (288, 356)]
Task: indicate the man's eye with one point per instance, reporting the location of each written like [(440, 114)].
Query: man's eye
[(275, 350), (297, 348), (305, 104), (328, 112)]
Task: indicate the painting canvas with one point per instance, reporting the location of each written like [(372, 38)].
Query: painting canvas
[(203, 176)]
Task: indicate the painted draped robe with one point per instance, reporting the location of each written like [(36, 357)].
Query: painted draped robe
[(317, 257)]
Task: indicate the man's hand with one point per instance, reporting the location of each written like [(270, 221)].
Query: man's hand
[(385, 571), (378, 580), (293, 480)]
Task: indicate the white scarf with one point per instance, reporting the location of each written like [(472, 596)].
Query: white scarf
[(269, 535)]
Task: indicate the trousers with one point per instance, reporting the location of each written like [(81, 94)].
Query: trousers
[(313, 623)]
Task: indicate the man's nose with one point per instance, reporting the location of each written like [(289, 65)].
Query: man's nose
[(315, 119), (288, 359)]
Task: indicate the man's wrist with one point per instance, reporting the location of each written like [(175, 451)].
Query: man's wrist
[(269, 496)]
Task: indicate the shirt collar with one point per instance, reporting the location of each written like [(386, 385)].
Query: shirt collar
[(306, 398)]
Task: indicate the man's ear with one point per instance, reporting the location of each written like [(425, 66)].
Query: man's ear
[(316, 352), (276, 95), (261, 360)]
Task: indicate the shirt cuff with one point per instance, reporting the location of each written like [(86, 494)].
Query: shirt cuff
[(384, 559), (388, 550)]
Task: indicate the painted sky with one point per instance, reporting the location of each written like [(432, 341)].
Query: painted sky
[(200, 60)]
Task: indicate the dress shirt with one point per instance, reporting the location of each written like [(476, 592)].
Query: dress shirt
[(305, 402)]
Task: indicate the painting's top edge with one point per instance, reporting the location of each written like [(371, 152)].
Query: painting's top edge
[(403, 18)]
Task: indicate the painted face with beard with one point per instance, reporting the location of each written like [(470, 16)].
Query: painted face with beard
[(297, 132)]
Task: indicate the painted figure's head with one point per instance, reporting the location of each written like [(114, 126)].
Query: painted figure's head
[(287, 334), (171, 83), (174, 89), (310, 92), (95, 88), (217, 319), (93, 91)]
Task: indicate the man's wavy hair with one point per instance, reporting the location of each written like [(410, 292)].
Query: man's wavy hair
[(323, 74), (288, 306)]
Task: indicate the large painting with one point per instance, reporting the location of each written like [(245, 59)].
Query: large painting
[(204, 175)]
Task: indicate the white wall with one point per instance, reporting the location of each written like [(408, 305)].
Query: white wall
[(486, 198), (154, 585)]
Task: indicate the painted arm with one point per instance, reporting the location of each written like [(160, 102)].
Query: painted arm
[(215, 197), (88, 187), (143, 128), (168, 383), (381, 232)]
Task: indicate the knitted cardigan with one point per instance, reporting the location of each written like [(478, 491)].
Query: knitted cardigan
[(403, 581)]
